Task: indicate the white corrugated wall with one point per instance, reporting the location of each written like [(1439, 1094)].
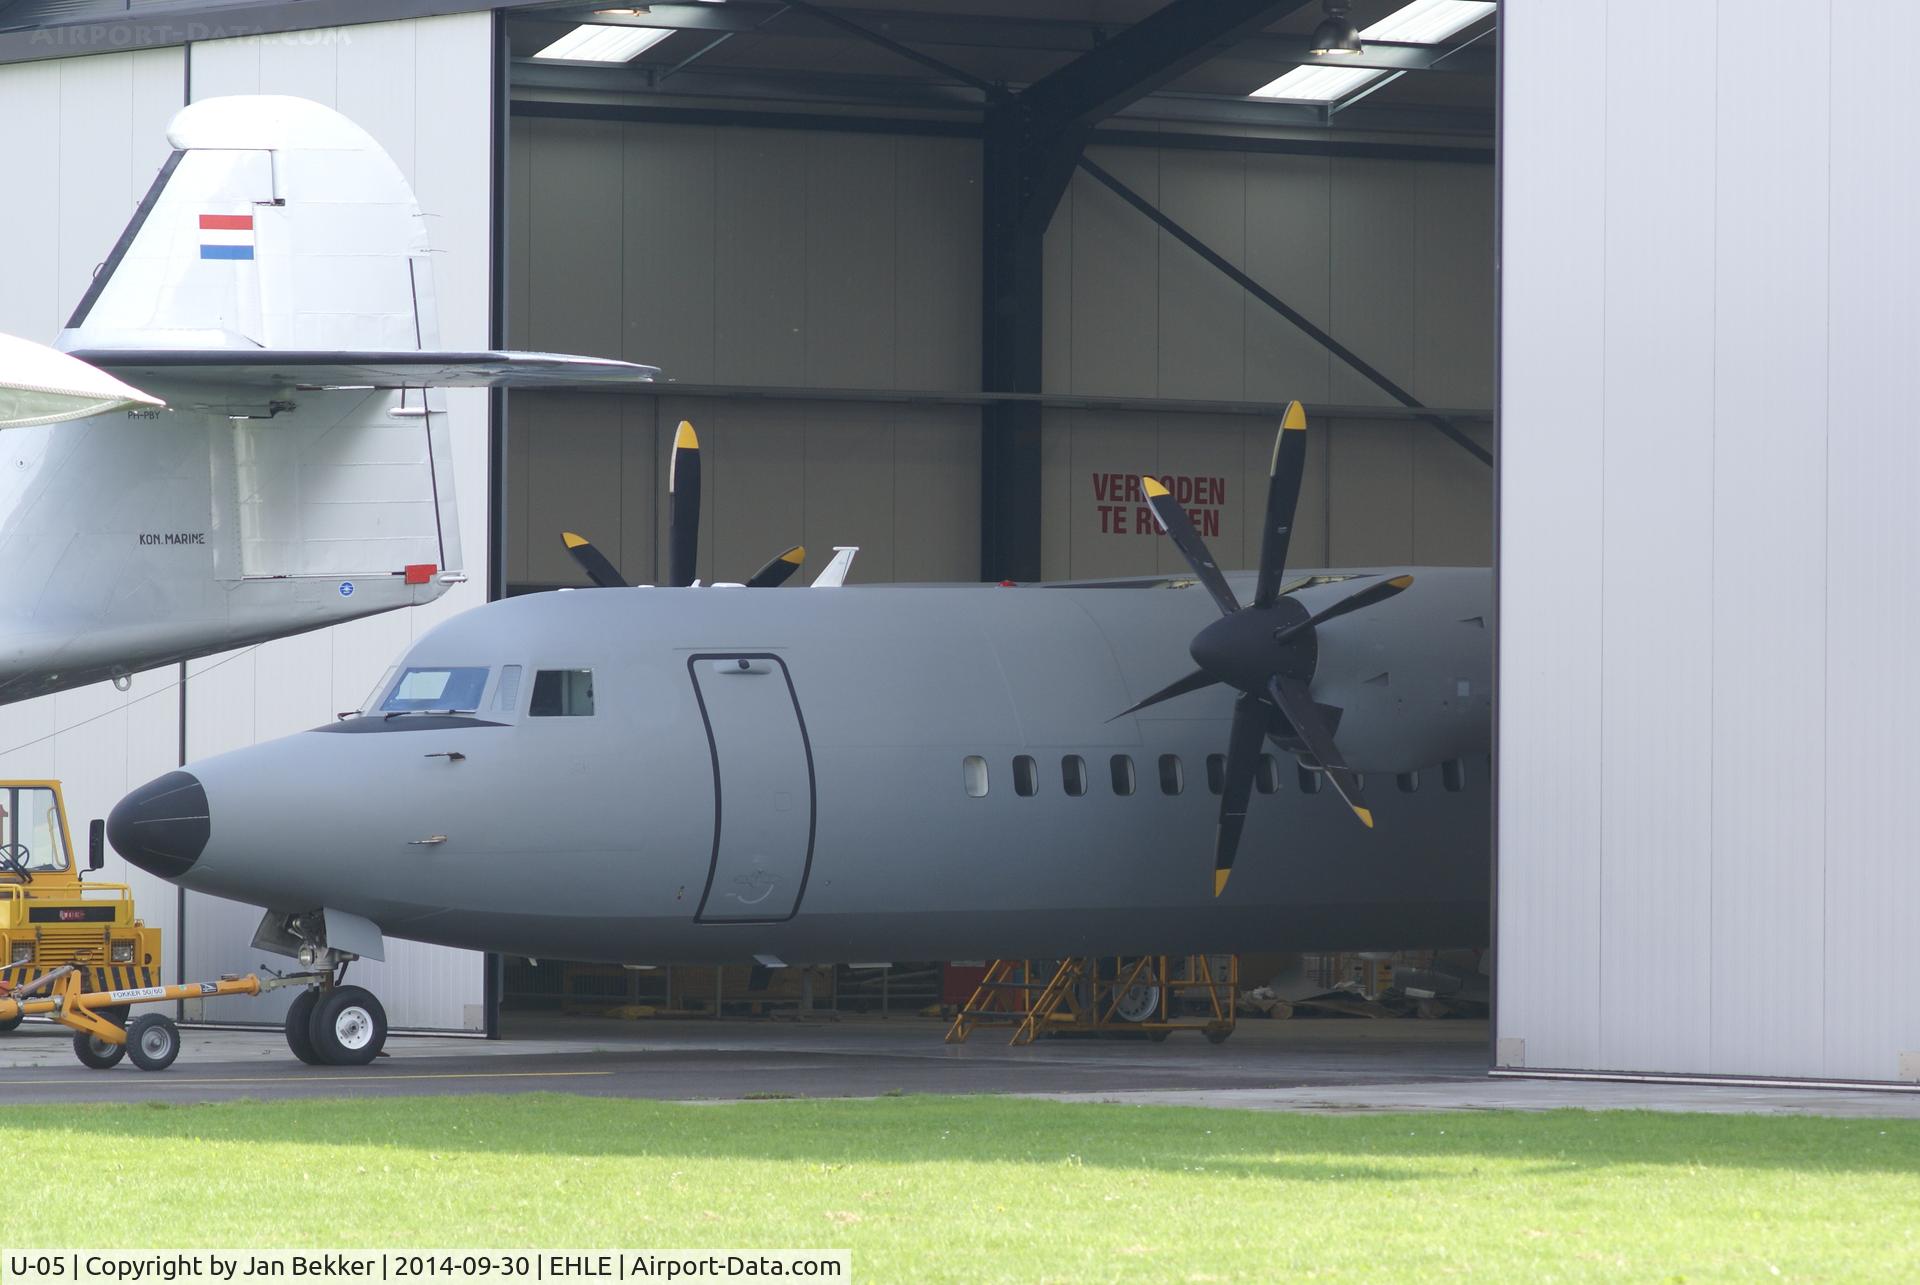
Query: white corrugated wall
[(81, 140), (423, 88), (1710, 300)]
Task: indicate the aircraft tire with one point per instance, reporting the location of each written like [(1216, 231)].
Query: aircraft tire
[(349, 1026), (96, 1054), (153, 1042), (300, 1027)]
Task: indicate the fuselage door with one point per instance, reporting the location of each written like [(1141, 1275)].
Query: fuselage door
[(763, 784)]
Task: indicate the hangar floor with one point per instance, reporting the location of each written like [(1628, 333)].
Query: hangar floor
[(1340, 1066)]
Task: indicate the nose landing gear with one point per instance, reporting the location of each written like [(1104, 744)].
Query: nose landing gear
[(329, 1023), (336, 1026)]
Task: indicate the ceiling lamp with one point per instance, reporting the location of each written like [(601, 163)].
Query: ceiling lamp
[(1336, 34)]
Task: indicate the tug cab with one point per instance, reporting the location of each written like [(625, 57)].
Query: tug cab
[(50, 916)]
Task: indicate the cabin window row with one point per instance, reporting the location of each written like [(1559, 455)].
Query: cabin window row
[(1171, 772)]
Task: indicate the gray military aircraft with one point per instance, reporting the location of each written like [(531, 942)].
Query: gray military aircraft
[(657, 775), (282, 461)]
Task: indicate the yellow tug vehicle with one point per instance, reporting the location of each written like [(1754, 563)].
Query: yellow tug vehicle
[(52, 919)]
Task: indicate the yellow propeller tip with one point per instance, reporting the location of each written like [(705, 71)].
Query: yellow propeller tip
[(1365, 815), (1153, 489), (1296, 417), (796, 555), (684, 438), (1401, 582), (1220, 881), (573, 541)]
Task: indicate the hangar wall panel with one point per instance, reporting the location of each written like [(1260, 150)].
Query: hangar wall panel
[(755, 257), (1394, 258), (1870, 885), (109, 113), (834, 260), (1705, 509), (84, 137), (729, 255), (423, 89), (901, 482)]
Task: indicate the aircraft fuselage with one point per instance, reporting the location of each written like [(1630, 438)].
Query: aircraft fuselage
[(799, 773)]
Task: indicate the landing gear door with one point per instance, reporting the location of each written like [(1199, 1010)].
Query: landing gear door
[(763, 787)]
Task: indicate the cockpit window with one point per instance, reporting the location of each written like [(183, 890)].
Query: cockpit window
[(30, 831), (421, 688), (372, 702), (562, 693), (506, 697)]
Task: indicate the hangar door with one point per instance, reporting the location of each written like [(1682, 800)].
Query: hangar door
[(763, 785)]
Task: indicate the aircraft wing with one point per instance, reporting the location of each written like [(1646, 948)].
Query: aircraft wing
[(43, 386), (262, 369)]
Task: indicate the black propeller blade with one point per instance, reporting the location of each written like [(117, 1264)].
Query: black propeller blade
[(779, 569), (1283, 497), (1296, 703), (1378, 591), (1243, 756), (1193, 682), (1267, 651), (683, 489), (683, 530), (593, 562), (1174, 521)]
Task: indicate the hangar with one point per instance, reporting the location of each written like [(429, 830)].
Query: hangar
[(933, 280)]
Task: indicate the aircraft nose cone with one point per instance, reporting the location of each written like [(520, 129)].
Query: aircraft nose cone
[(162, 827)]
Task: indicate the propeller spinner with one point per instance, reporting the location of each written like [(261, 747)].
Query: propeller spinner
[(683, 530), (1267, 650)]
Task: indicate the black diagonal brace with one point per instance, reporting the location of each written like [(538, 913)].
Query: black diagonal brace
[(1446, 426)]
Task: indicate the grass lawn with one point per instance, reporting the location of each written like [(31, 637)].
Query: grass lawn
[(951, 1188)]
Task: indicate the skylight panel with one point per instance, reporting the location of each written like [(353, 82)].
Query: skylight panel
[(1428, 22), (1424, 22), (596, 42), (1317, 83)]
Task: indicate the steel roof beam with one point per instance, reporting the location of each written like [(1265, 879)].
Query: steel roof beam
[(1030, 35)]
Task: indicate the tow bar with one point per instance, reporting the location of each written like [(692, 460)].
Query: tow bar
[(98, 1019)]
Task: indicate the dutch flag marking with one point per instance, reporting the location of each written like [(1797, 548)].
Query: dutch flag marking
[(226, 236)]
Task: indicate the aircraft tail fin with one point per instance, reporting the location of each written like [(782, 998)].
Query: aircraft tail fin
[(836, 573), (276, 223)]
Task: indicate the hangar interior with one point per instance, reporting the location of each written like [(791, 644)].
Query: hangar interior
[(784, 207), (821, 223)]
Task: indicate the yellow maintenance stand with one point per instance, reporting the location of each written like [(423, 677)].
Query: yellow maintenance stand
[(50, 917)]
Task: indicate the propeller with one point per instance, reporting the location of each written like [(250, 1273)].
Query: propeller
[(683, 530), (779, 569), (1266, 650), (593, 562), (683, 497)]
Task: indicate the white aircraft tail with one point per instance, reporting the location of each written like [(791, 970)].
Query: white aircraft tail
[(277, 223), (274, 289), (836, 573)]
